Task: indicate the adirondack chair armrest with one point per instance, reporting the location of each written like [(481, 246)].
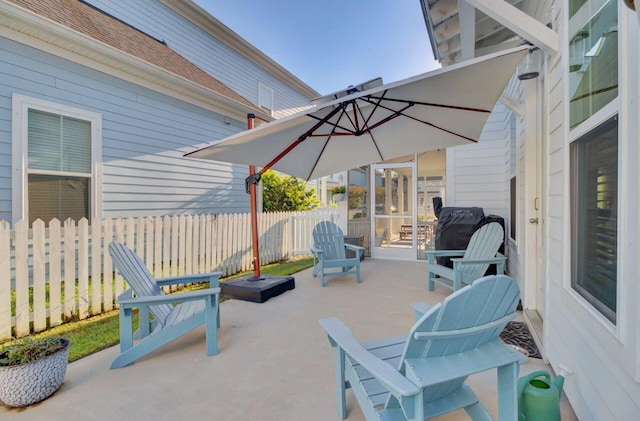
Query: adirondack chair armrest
[(134, 302), (491, 355), (316, 250), (353, 247), (340, 336), (446, 252), (196, 277), (460, 261), (420, 309), (461, 333)]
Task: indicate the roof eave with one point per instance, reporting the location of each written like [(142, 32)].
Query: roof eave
[(217, 29), (31, 29)]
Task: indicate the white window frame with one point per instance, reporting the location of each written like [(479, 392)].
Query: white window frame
[(574, 134), (21, 105), (261, 88)]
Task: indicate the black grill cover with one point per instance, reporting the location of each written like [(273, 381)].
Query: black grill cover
[(455, 227)]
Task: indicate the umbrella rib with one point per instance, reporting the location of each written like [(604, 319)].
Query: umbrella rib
[(369, 99), (400, 113)]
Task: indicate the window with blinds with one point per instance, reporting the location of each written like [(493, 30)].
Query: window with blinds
[(59, 166), (594, 212)]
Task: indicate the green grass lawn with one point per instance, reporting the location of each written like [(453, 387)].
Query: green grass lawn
[(100, 332)]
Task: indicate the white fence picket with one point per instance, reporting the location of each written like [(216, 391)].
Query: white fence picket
[(83, 268), (96, 266), (69, 268), (22, 279), (55, 274), (39, 282), (108, 279)]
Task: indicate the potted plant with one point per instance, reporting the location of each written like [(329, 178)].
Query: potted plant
[(32, 369), (337, 193)]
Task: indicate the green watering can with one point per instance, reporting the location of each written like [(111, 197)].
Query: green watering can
[(539, 397)]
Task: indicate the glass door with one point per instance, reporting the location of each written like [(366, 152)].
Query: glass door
[(393, 229)]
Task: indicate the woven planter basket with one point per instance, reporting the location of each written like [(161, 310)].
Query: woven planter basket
[(26, 384)]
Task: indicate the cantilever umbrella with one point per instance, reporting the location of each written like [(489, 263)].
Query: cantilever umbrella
[(435, 110)]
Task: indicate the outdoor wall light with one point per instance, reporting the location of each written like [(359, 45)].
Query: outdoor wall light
[(530, 70)]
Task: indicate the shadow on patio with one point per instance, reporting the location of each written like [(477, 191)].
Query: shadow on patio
[(275, 362)]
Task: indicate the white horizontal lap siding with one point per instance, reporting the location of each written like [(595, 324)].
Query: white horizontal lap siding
[(481, 170), (603, 384), (210, 54), (145, 135)]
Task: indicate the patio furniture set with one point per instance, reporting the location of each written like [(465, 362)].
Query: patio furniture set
[(412, 376)]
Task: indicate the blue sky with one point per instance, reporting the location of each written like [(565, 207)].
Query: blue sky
[(331, 44)]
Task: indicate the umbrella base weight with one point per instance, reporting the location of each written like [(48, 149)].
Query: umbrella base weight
[(257, 290)]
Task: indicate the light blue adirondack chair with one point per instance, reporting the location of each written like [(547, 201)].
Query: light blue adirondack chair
[(422, 375), (173, 315), (329, 252), (470, 264)]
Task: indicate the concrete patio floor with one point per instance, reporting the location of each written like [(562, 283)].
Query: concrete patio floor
[(275, 362)]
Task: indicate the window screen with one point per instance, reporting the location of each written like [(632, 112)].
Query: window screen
[(594, 211)]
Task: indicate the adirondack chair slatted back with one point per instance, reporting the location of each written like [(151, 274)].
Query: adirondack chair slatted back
[(487, 300), (484, 244), (328, 237), (138, 277)]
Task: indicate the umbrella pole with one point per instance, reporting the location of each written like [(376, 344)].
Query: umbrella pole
[(256, 288), (254, 211)]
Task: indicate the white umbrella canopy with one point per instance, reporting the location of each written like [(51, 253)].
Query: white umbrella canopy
[(435, 110)]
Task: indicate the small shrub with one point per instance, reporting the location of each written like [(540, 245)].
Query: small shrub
[(339, 190), (28, 350)]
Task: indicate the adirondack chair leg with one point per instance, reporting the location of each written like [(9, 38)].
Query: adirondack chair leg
[(340, 382), (457, 281), (432, 282), (126, 329), (477, 412), (500, 268), (507, 392), (321, 274), (145, 326), (358, 274), (211, 324), (430, 275)]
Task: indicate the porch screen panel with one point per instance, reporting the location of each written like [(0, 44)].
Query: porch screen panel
[(594, 209)]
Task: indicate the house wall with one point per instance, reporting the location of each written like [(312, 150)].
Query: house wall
[(604, 358), (145, 133), (210, 54), (144, 137), (478, 174)]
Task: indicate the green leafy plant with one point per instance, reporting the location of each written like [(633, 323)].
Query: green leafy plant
[(286, 193), (339, 190), (28, 350)]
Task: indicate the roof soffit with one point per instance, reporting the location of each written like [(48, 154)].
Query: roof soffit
[(499, 25)]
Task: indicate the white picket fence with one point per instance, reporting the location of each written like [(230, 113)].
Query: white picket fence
[(70, 264)]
